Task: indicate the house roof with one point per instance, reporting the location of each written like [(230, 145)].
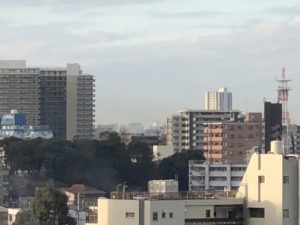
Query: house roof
[(83, 189)]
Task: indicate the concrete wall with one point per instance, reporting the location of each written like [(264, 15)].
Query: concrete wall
[(273, 194), (113, 212), (175, 207), (71, 106)]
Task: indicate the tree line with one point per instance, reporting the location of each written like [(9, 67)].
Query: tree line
[(101, 164)]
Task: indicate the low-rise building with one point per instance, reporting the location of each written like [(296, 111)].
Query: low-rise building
[(14, 125), (81, 196), (206, 176), (183, 210), (162, 151)]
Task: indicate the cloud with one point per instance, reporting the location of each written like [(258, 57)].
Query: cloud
[(287, 10), (185, 15), (74, 3)]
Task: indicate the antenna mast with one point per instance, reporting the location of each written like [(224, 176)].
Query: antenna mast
[(283, 97)]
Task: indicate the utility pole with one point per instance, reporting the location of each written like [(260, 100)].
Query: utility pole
[(123, 191), (78, 207)]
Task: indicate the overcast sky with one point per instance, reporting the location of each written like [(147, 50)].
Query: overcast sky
[(152, 58)]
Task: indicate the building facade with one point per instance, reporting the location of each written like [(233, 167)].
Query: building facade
[(176, 211), (270, 187), (20, 89), (230, 142), (53, 100), (62, 98), (80, 103), (218, 100), (205, 176)]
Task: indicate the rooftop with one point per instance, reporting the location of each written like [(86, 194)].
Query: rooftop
[(83, 189), (185, 195)]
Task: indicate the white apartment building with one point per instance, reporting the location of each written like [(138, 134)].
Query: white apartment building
[(218, 100), (206, 176), (270, 188), (169, 212), (185, 130)]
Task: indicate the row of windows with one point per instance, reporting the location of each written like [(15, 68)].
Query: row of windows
[(260, 213), (155, 215)]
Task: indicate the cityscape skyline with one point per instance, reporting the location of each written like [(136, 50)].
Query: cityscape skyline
[(168, 53)]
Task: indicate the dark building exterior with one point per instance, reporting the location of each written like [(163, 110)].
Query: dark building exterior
[(273, 123), (53, 100)]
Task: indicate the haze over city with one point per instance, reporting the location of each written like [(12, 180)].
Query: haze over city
[(153, 58)]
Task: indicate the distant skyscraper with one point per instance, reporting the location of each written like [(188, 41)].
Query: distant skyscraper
[(218, 100), (62, 98)]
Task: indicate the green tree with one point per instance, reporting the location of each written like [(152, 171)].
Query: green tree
[(142, 166), (178, 165), (50, 208)]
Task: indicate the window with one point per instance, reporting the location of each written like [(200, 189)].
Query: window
[(261, 179), (257, 212), (285, 213), (286, 179), (207, 213), (171, 215), (163, 215), (129, 214), (155, 216)]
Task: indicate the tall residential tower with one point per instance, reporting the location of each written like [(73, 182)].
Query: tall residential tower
[(62, 98), (218, 100)]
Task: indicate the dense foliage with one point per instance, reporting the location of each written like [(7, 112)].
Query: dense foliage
[(102, 164), (48, 208)]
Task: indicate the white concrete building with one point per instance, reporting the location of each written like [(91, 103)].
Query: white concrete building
[(169, 212), (218, 100), (271, 188), (205, 176)]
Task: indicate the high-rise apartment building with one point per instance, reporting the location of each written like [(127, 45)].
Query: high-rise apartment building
[(62, 98), (19, 89), (80, 103), (185, 131), (218, 100), (53, 100)]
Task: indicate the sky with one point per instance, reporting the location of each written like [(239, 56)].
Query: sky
[(152, 58)]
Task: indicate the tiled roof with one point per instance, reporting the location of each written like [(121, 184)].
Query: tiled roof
[(83, 189)]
